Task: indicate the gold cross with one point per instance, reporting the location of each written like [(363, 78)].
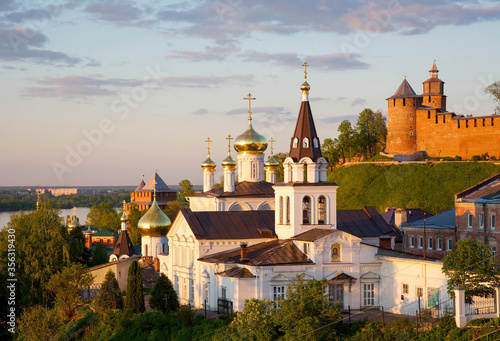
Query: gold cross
[(74, 210), (305, 65), (249, 98), (154, 188), (229, 138), (208, 140), (271, 140), (124, 202)]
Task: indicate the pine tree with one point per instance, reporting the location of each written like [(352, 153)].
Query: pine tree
[(135, 296), (163, 296), (109, 293)]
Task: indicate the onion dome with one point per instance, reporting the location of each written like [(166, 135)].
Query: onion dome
[(208, 163), (89, 230), (250, 141), (305, 87), (154, 222), (74, 221), (229, 162), (271, 162)]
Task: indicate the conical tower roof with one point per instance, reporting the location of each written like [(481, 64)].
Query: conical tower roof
[(161, 186), (123, 245), (140, 186), (404, 91)]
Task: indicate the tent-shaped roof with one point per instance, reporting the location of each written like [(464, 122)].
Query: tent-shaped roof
[(404, 91)]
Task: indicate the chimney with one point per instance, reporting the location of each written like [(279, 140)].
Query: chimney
[(243, 252), (399, 216)]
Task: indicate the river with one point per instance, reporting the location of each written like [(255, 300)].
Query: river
[(81, 213)]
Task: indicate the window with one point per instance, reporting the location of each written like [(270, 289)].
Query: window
[(412, 242), (480, 220), (420, 242), (295, 142), (492, 122), (428, 114), (315, 142), (469, 220), (119, 274), (449, 244), (306, 211), (475, 123), (146, 250), (466, 123), (406, 288), (306, 249), (223, 293), (185, 288), (493, 250), (305, 142), (369, 293), (281, 210), (493, 221), (458, 124), (288, 210), (393, 102), (278, 292), (321, 210), (205, 293), (436, 119), (440, 244), (484, 122), (254, 169), (404, 102), (429, 243), (444, 119), (420, 292)]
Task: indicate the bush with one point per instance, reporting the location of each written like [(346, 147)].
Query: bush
[(485, 157), (458, 158), (476, 157), (185, 316)]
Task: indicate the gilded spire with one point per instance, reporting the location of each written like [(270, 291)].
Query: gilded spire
[(250, 99), (208, 163), (305, 87), (250, 141), (229, 138), (124, 215), (229, 162), (271, 140), (271, 162)]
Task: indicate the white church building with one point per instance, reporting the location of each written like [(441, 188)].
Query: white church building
[(249, 238)]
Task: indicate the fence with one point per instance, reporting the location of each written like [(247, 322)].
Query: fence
[(481, 305)]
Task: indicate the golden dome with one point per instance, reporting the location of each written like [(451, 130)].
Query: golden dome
[(250, 142), (305, 86), (271, 162), (208, 163), (228, 161), (154, 222)]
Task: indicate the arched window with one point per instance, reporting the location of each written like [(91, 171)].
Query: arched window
[(254, 169), (322, 210), (235, 207), (281, 210), (295, 142), (315, 142), (306, 211), (288, 210), (146, 250), (305, 142)]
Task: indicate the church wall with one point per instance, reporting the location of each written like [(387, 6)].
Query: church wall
[(425, 275)]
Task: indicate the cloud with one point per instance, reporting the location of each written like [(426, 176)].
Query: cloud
[(74, 86), (200, 112), (123, 11), (265, 114), (337, 119), (216, 52), (26, 45), (237, 18), (358, 101), (341, 98)]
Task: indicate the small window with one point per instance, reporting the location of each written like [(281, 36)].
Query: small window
[(493, 221), (393, 102), (480, 220), (429, 243), (305, 142), (466, 123), (315, 142), (288, 210), (406, 288), (411, 118), (306, 249), (321, 210), (306, 210), (278, 292), (412, 242), (449, 244), (119, 274), (295, 142), (440, 244), (420, 242), (428, 114), (404, 102), (458, 123), (493, 250), (420, 292), (484, 122), (444, 118), (469, 220), (436, 119), (475, 123), (492, 122), (281, 210), (224, 293)]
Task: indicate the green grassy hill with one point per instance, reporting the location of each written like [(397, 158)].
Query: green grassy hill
[(429, 186)]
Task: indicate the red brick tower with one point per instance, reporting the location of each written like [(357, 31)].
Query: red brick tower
[(401, 125), (433, 95)]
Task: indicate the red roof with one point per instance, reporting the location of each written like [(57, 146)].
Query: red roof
[(305, 128)]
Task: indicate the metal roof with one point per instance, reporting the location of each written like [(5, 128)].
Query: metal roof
[(445, 220), (363, 223), (243, 189), (404, 91), (305, 128)]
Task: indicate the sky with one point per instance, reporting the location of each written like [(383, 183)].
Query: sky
[(97, 93)]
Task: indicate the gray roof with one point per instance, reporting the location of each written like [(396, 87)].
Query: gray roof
[(364, 223), (161, 186), (445, 220), (487, 190), (404, 91)]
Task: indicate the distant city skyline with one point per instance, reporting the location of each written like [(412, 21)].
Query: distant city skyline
[(99, 93)]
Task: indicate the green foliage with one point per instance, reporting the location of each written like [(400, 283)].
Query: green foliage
[(41, 251), (163, 296), (371, 132), (78, 252), (494, 90), (430, 186), (65, 286), (330, 150), (38, 323), (458, 158), (185, 316), (346, 141), (100, 255), (135, 296), (109, 293), (186, 190), (104, 216), (280, 176), (476, 157), (173, 207), (472, 267), (133, 218)]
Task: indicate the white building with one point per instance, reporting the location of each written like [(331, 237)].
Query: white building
[(249, 238)]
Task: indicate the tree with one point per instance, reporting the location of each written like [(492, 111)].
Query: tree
[(135, 296), (371, 132), (100, 255), (65, 285), (133, 218), (109, 293), (38, 323), (280, 176), (173, 207), (494, 90), (41, 251), (186, 190), (104, 216), (78, 252), (163, 296), (257, 321), (473, 267), (329, 149), (305, 309), (347, 140)]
